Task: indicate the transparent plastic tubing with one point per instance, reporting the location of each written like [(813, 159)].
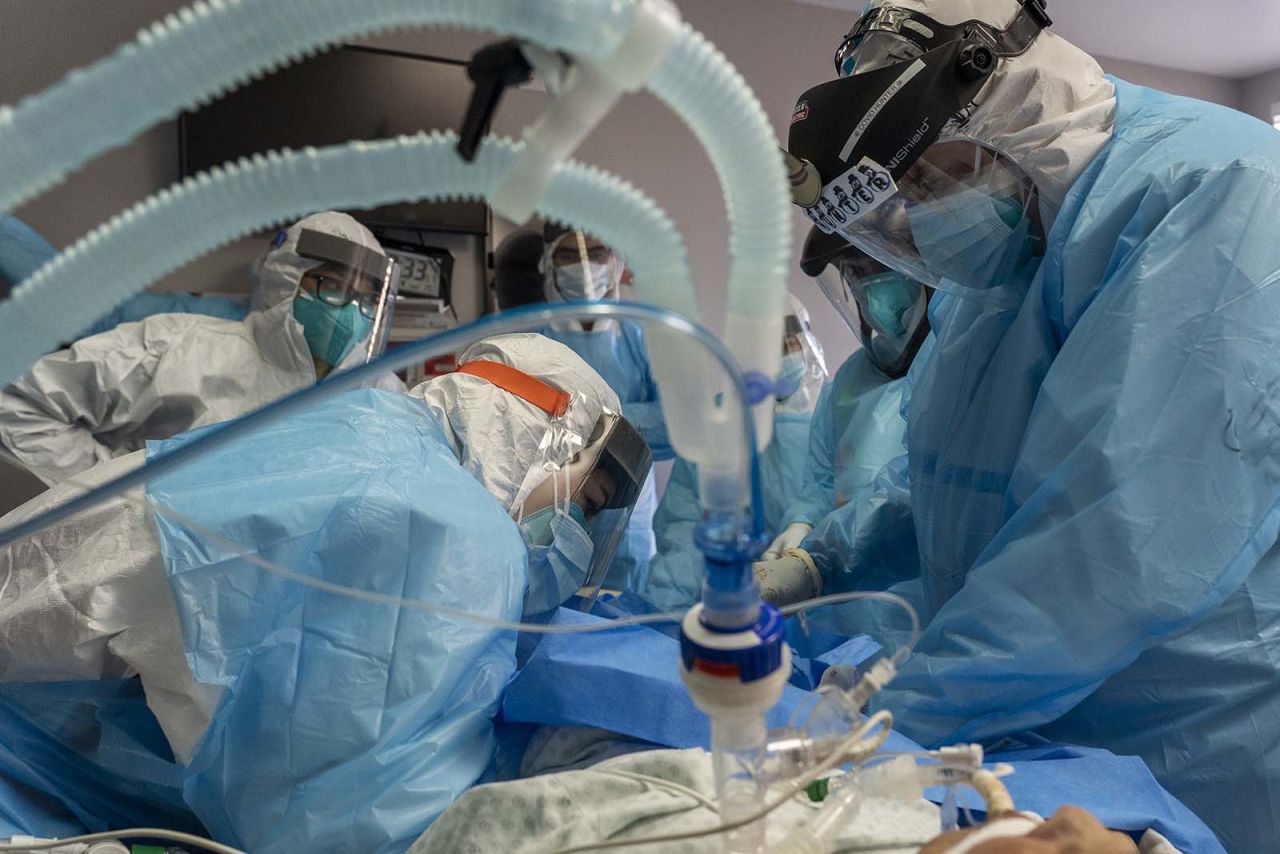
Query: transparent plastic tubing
[(212, 47), (453, 341)]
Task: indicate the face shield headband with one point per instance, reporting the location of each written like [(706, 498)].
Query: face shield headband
[(915, 32), (865, 131), (875, 159)]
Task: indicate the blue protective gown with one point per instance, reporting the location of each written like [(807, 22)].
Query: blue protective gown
[(22, 250), (675, 574), (345, 725), (1095, 477), (857, 428), (617, 351)]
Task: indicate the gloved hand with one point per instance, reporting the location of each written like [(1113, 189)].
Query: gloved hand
[(790, 538), (789, 579)]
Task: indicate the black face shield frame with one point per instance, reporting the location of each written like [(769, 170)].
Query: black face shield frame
[(864, 132)]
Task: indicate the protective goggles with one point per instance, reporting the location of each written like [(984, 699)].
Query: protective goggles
[(894, 176), (349, 274)]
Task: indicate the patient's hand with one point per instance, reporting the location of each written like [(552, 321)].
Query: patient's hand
[(1070, 831)]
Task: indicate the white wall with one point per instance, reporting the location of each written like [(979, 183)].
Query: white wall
[(39, 42), (1206, 87), (1261, 95)]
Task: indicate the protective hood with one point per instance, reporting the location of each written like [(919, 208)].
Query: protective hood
[(280, 269), (815, 365), (1050, 109), (497, 436), (596, 280)]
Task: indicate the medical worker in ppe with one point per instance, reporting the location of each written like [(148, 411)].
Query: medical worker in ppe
[(323, 300), (518, 279), (1092, 440), (675, 574), (857, 426), (481, 491), (577, 266)]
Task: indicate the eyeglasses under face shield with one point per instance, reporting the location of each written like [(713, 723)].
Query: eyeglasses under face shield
[(897, 178), (350, 274)]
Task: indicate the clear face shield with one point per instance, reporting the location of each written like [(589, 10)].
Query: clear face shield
[(803, 368), (581, 267), (885, 309), (345, 302), (965, 219), (597, 489), (621, 467), (897, 179)]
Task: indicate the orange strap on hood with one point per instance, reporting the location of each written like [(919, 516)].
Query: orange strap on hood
[(549, 399)]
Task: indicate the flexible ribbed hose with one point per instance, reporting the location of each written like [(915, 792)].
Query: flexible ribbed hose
[(159, 235), (200, 52), (993, 792)]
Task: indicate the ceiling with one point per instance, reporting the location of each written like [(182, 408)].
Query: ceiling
[(1225, 38)]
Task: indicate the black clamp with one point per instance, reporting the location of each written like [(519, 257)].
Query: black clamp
[(492, 69), (1036, 9)]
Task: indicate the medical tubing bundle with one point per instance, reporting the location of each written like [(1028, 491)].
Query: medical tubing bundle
[(209, 48), (899, 779), (878, 721)]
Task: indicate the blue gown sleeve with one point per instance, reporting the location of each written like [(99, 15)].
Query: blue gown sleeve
[(675, 574), (22, 250), (817, 496), (1148, 483), (870, 542)]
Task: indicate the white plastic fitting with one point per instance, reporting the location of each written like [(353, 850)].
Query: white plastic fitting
[(593, 89)]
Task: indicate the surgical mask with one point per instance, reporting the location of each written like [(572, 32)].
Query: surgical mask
[(330, 331), (559, 556), (572, 284), (790, 375), (972, 239), (889, 295)]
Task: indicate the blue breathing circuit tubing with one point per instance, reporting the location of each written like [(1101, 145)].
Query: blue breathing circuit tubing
[(452, 341)]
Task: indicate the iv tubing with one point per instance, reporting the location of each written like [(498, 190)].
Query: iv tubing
[(879, 719)]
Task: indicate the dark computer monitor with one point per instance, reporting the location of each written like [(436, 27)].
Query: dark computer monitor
[(346, 94)]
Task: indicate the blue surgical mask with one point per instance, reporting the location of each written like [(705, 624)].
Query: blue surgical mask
[(890, 295), (330, 331), (572, 284), (559, 556), (790, 375), (978, 242)]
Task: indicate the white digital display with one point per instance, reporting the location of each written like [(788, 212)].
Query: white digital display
[(419, 274)]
